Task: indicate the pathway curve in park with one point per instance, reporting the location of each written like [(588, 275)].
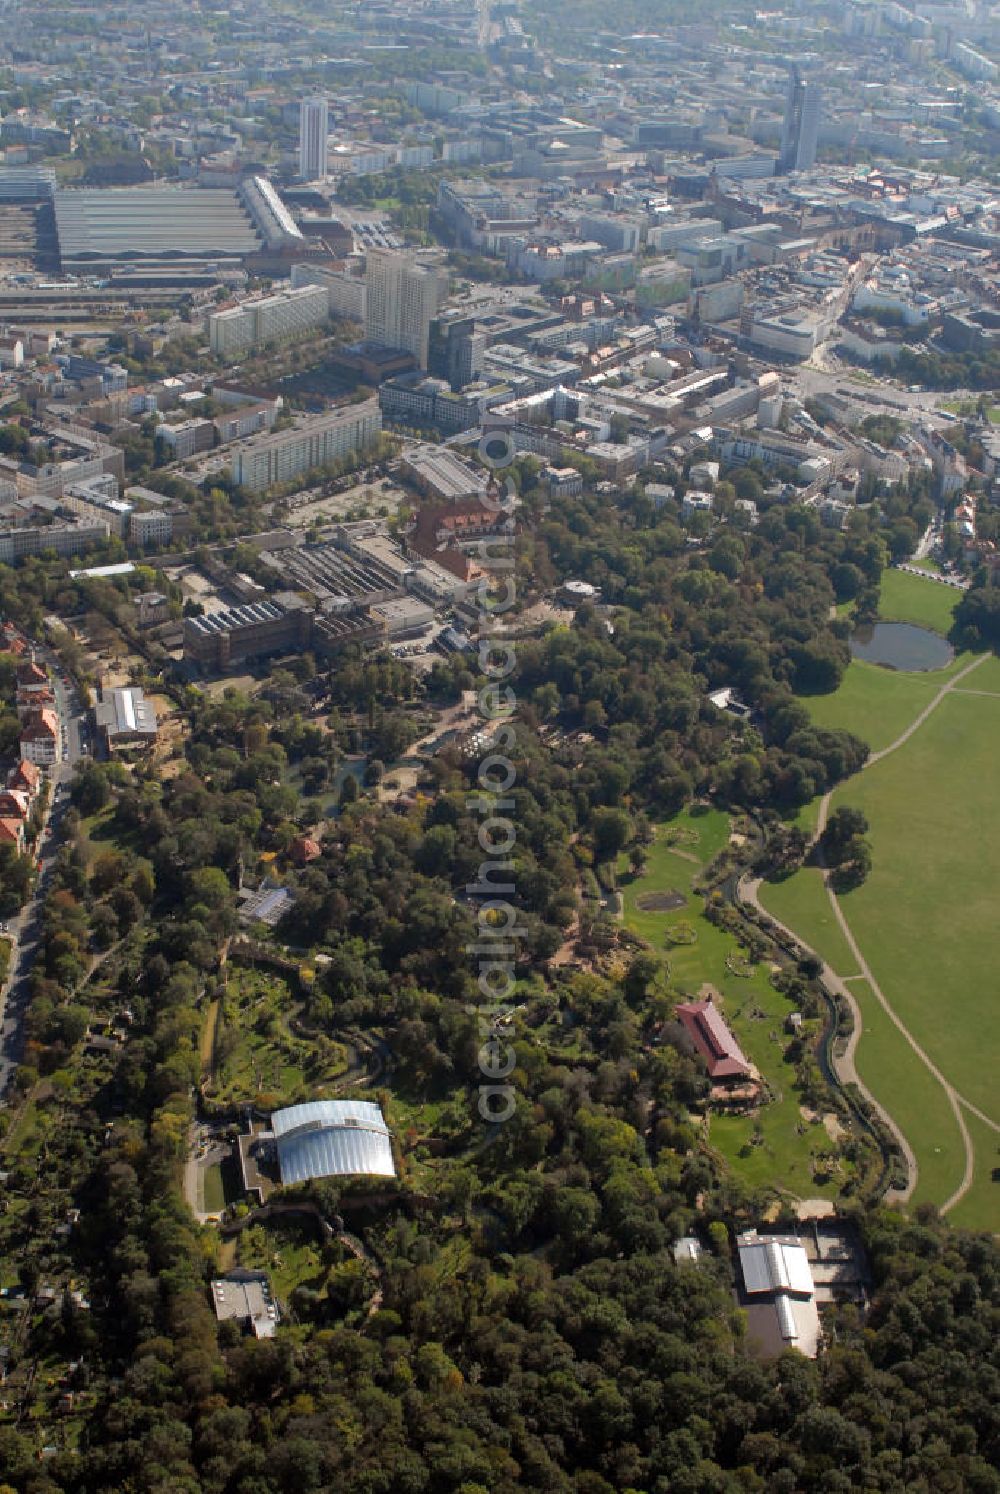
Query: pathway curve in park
[(956, 1100), (846, 1067)]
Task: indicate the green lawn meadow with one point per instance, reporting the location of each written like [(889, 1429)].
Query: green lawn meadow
[(904, 597), (926, 917), (876, 704), (800, 901), (985, 679), (980, 1208)]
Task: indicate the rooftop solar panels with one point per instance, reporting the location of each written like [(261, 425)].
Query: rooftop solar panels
[(228, 618), (267, 905)]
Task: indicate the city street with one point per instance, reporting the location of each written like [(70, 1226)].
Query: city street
[(25, 930), (821, 376)]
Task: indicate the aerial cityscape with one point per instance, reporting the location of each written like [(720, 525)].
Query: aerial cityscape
[(499, 727)]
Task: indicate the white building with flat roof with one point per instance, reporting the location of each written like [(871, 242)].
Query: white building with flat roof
[(263, 461), (277, 318), (345, 293), (778, 1294), (245, 1296)]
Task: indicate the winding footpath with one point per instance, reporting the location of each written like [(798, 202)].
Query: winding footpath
[(846, 1067)]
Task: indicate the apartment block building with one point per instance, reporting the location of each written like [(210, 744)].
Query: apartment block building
[(245, 420), (32, 528), (188, 438), (263, 461), (157, 526), (345, 293), (274, 319)]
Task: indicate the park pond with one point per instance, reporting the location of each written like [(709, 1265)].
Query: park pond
[(901, 646)]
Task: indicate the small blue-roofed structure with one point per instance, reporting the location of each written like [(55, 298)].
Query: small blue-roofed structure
[(268, 904), (332, 1138)]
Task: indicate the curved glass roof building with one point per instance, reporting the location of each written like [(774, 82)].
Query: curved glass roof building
[(332, 1138)]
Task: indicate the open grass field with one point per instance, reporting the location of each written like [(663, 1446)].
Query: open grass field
[(925, 919), (985, 679), (913, 1097), (699, 839), (789, 1148), (800, 902), (214, 1189), (876, 704), (980, 1208), (885, 1063), (904, 597)]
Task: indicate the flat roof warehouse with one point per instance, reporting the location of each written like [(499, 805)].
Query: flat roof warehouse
[(125, 716)]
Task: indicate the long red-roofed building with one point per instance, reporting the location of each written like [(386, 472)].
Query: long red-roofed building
[(703, 1023)]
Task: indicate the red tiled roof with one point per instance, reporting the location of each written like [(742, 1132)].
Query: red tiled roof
[(30, 673), (713, 1040), (41, 726), (14, 804), (304, 849), (24, 775), (11, 831)]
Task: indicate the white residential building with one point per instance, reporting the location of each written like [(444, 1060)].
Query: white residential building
[(230, 331), (151, 527), (695, 502), (98, 498), (187, 438), (273, 319), (345, 293), (11, 352), (263, 461), (973, 63), (41, 738)]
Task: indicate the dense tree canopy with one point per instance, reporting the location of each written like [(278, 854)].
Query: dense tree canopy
[(532, 1329)]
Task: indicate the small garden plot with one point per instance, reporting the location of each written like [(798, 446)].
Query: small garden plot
[(258, 1057), (666, 901)]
